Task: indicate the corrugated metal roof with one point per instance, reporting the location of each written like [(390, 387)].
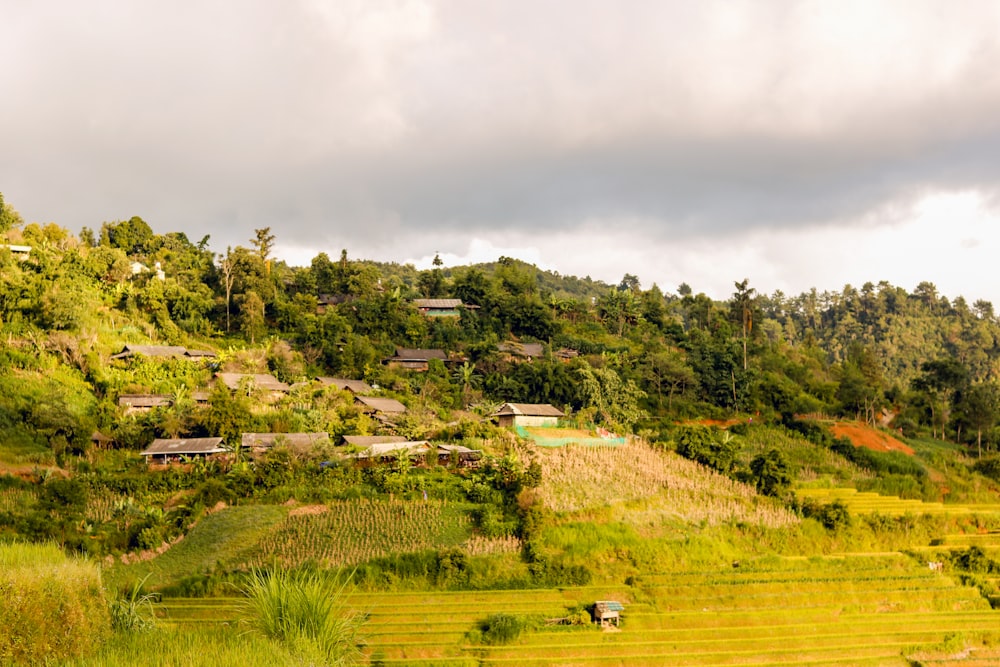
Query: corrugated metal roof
[(446, 304), (529, 410), (522, 349), (385, 448), (145, 400), (388, 405), (369, 440), (261, 380), (356, 386), (268, 440), (178, 446), (407, 354)]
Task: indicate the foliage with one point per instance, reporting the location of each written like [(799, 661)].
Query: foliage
[(714, 448), (771, 473), (503, 628), (133, 612), (305, 612), (51, 606)]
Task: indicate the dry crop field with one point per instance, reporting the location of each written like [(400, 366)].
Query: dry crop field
[(576, 477)]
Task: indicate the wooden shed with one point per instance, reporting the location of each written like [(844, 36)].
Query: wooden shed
[(527, 414), (608, 612)]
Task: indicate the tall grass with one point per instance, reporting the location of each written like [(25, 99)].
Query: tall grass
[(304, 611), (51, 606)]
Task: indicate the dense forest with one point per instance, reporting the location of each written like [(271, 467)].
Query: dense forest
[(639, 357)]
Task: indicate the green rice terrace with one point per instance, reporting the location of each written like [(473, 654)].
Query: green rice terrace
[(869, 610)]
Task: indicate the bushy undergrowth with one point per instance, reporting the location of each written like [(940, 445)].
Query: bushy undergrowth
[(305, 612), (503, 628), (51, 606)]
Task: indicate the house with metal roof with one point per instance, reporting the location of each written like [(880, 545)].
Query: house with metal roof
[(252, 381), (517, 351), (139, 403), (258, 443), (377, 404), (415, 359), (161, 351), (353, 386), (364, 441), (390, 451), (527, 414), (172, 450), (441, 307), (459, 455)]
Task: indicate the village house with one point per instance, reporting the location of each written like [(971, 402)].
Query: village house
[(353, 386), (441, 307), (163, 351), (374, 405), (527, 414), (565, 354), (174, 450), (141, 403), (20, 252), (249, 382), (415, 360), (364, 441), (388, 452), (258, 443), (515, 351), (459, 455)]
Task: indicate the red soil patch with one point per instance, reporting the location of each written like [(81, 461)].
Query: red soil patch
[(865, 436)]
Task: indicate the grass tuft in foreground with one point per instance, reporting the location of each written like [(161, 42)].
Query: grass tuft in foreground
[(305, 612)]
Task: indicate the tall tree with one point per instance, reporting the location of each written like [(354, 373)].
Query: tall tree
[(263, 242), (742, 309)]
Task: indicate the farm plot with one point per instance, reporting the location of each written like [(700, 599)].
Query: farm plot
[(576, 478), (845, 611), (859, 502), (347, 533)]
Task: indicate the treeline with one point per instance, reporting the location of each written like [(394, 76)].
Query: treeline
[(639, 357)]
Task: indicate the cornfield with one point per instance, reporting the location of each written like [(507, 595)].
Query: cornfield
[(351, 532), (15, 501), (575, 478)]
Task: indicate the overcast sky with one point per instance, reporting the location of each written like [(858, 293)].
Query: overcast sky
[(797, 144)]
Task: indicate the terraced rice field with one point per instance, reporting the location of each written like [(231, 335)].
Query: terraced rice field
[(859, 502), (866, 611)]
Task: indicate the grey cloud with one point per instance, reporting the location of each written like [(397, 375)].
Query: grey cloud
[(396, 125)]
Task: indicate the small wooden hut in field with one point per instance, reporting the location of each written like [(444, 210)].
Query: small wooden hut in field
[(608, 612)]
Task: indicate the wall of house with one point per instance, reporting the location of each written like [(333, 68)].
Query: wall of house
[(523, 420)]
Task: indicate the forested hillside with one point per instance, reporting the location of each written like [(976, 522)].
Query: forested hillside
[(628, 357)]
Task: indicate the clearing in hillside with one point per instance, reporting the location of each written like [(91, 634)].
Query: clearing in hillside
[(861, 435)]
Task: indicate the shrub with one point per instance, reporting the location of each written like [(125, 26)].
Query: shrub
[(51, 606), (504, 628)]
